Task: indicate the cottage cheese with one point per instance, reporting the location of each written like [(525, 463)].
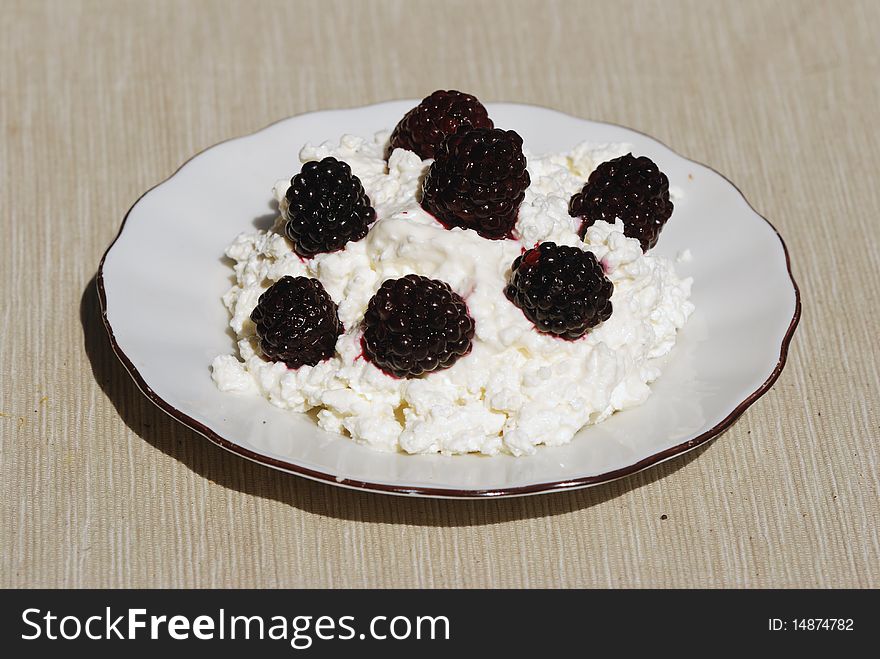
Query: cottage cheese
[(518, 388)]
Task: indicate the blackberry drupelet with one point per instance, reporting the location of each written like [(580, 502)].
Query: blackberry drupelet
[(297, 322), (438, 115), (326, 208), (633, 189), (562, 290), (416, 325), (477, 181)]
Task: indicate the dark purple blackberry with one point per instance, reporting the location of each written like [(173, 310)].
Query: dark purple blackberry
[(438, 115), (477, 181), (416, 325), (562, 290), (297, 322), (630, 188), (326, 208)]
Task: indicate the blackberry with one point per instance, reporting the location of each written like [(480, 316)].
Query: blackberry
[(477, 181), (633, 189), (416, 325), (326, 208), (562, 290), (297, 322), (438, 115)]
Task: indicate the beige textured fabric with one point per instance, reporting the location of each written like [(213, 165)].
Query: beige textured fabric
[(101, 100)]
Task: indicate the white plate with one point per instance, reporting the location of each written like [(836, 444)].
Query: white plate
[(161, 280)]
